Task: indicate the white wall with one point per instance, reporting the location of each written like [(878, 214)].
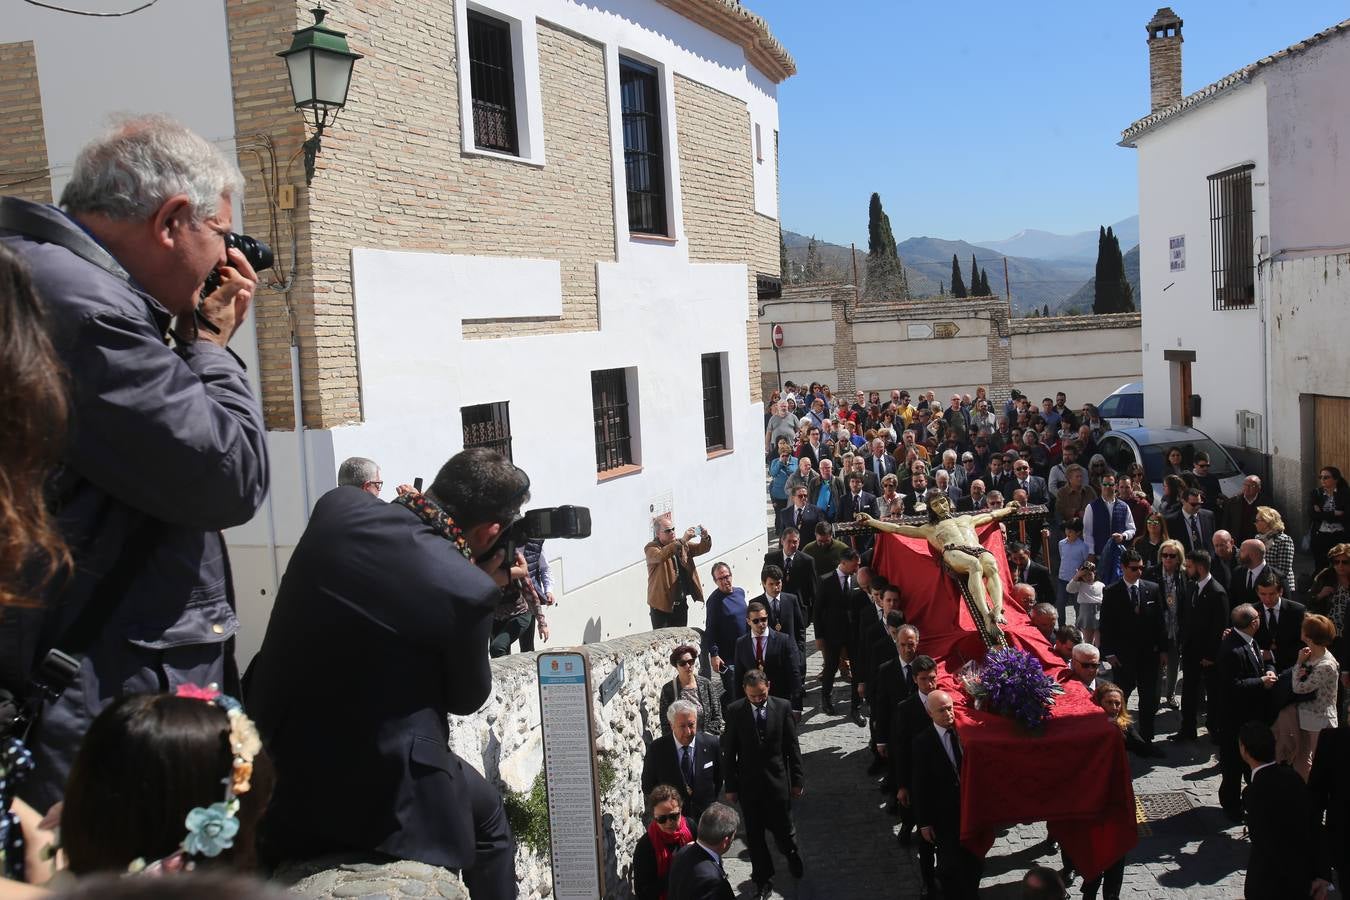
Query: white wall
[(1087, 364), (807, 353), (1309, 112), (1177, 307)]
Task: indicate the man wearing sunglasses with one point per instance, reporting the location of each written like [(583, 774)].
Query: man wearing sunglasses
[(672, 577), (772, 652), (1134, 635)]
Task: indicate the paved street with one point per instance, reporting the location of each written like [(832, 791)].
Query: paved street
[(847, 840)]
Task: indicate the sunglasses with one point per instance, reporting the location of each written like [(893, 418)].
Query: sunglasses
[(759, 621), (668, 818), (1135, 567), (685, 662), (667, 530), (1341, 562), (1170, 555)]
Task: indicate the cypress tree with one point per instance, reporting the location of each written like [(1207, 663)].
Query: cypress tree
[(784, 271), (976, 290), (984, 283), (958, 283), (1046, 312), (885, 273), (814, 268)]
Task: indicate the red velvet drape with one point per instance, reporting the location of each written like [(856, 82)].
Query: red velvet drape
[(1074, 775)]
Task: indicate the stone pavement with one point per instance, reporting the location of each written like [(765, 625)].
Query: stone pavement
[(1186, 848)]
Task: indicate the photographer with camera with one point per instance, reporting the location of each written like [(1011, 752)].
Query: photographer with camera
[(672, 577), (379, 632), (166, 445)]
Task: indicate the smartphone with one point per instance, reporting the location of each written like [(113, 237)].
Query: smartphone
[(417, 483)]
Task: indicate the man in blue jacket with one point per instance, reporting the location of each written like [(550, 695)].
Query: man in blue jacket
[(724, 626), (167, 444)]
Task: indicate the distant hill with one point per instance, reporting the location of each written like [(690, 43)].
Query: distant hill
[(1049, 246), (1081, 299), (928, 264)]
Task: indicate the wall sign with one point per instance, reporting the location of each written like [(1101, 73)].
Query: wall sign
[(570, 775), (1176, 253)]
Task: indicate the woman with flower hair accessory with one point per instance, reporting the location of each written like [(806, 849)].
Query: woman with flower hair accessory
[(163, 783)]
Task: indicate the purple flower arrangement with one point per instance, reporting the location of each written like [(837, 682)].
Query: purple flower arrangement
[(1012, 683)]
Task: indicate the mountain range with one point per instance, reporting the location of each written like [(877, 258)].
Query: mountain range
[(1047, 245), (1059, 282)]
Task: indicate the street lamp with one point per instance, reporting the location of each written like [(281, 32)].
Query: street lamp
[(320, 64)]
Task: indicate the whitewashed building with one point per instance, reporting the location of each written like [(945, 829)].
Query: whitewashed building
[(543, 224), (1245, 255)]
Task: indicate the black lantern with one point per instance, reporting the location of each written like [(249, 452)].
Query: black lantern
[(320, 64)]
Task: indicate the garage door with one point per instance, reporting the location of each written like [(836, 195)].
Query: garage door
[(1332, 423)]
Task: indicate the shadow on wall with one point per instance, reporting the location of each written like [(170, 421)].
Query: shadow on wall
[(591, 633)]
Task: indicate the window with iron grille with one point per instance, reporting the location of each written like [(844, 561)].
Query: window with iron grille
[(1230, 238), (609, 398), (492, 84), (488, 425), (644, 167), (714, 413)]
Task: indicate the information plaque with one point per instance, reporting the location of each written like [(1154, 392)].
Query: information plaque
[(570, 775)]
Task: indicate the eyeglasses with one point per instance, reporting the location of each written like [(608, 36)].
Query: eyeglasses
[(760, 621), (1202, 465), (1135, 567), (688, 661), (378, 485), (1089, 665), (668, 818), (667, 530), (1170, 555)]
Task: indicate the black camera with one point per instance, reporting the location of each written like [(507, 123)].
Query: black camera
[(541, 524), (258, 254)]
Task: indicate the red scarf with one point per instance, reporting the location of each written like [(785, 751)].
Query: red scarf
[(664, 845)]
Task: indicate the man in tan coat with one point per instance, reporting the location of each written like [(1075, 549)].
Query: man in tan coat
[(672, 578)]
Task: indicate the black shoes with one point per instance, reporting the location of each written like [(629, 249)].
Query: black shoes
[(857, 719), (826, 704), (764, 891), (877, 766), (795, 865), (906, 835)]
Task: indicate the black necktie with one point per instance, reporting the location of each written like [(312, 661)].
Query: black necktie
[(760, 721), (956, 748), (1270, 619), (1251, 581), (1195, 534), (687, 764), (1134, 597), (909, 680)]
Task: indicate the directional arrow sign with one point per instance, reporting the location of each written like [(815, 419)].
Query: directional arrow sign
[(945, 330), (918, 331)]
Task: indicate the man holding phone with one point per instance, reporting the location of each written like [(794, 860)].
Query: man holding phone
[(672, 577)]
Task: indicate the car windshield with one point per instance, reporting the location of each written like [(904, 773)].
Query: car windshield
[(1221, 465), (1122, 406)]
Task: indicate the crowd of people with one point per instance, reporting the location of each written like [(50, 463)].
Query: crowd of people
[(1187, 598), (132, 439)]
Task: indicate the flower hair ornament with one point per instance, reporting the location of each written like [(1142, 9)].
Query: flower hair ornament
[(211, 830)]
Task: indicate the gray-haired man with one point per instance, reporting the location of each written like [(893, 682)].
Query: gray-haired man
[(687, 759), (169, 447)]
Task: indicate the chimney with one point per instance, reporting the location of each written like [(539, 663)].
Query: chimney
[(1164, 58)]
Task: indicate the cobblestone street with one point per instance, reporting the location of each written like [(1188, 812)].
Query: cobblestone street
[(847, 840)]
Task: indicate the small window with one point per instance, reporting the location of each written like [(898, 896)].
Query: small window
[(492, 84), (759, 144), (644, 166), (613, 440), (1230, 238), (488, 425), (714, 412)]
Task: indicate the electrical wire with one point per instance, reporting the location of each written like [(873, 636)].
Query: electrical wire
[(81, 12)]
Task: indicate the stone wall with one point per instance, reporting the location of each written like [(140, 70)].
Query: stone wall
[(24, 168), (503, 741), (946, 345)]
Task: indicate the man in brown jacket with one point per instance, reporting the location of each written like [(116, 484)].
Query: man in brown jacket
[(672, 578)]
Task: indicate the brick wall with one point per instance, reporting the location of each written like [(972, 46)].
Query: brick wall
[(24, 169), (718, 194)]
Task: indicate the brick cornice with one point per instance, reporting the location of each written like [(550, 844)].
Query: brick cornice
[(736, 23)]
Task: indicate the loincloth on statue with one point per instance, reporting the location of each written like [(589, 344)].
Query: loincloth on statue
[(973, 551)]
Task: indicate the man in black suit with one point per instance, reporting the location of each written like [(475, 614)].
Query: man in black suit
[(1245, 684), (1251, 563), (1284, 857), (909, 718), (696, 873), (687, 759), (1134, 635), (936, 789), (1192, 525), (800, 514), (770, 652), (1202, 616), (879, 462), (879, 640), (762, 763), (1329, 787), (1239, 513), (1223, 560), (975, 500), (869, 634), (398, 662), (835, 593), (856, 501), (799, 571), (1281, 634), (891, 682), (1034, 485), (1025, 570), (785, 612)]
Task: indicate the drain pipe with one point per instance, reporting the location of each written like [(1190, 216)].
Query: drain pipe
[(302, 445)]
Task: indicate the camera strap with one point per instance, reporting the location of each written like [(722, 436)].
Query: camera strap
[(51, 226)]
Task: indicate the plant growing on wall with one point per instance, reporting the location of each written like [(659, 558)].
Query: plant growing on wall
[(527, 811)]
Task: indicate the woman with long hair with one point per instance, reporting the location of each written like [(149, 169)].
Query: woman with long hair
[(1170, 502), (1170, 576), (656, 849), (1151, 538), (1329, 506), (33, 412)]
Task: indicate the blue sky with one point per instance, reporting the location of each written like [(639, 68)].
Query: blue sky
[(976, 120)]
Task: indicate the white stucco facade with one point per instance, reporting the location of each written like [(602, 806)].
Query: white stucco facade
[(1289, 117)]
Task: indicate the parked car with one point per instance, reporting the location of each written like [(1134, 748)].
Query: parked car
[(1123, 446), (1124, 407)]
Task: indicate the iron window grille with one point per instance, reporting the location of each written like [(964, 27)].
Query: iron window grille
[(609, 396), (644, 167), (492, 85), (714, 416), (488, 425), (1230, 238)]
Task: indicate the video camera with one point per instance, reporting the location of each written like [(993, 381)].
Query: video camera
[(543, 524), (258, 254)]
